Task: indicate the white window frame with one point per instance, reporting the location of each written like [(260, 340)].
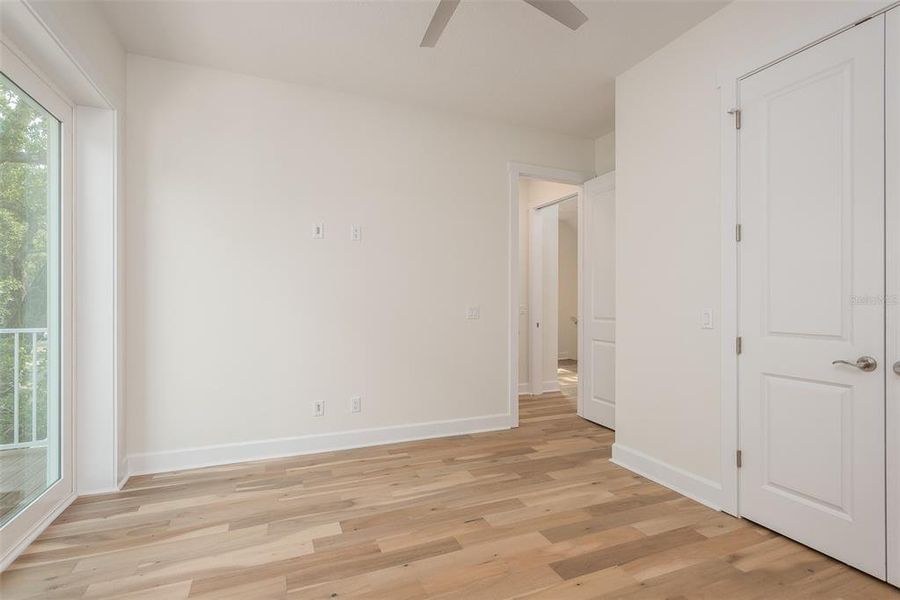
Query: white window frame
[(20, 531)]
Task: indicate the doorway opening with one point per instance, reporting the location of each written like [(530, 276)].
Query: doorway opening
[(548, 309), (562, 294)]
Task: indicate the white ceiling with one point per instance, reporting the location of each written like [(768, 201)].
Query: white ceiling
[(498, 59)]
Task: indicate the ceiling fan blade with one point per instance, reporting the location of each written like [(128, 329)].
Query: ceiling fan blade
[(442, 14), (562, 10)]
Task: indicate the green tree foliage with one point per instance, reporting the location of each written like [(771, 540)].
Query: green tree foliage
[(24, 176)]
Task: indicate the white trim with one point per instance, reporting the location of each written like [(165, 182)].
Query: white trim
[(729, 273), (126, 474), (892, 290), (36, 530), (524, 389), (223, 454), (516, 170), (551, 385), (700, 489)]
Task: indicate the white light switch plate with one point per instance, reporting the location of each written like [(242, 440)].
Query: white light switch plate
[(706, 319), (318, 408), (318, 231), (355, 233), (355, 404), (473, 312)]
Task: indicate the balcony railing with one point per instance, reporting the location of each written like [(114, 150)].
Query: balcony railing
[(23, 388)]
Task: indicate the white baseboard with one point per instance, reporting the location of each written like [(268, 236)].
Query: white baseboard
[(551, 386), (687, 484), (37, 530), (524, 388), (206, 456), (126, 474)]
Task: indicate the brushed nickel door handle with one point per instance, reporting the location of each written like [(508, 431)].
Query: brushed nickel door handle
[(863, 363), (897, 367)]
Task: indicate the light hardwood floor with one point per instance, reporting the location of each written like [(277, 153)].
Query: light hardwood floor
[(538, 513)]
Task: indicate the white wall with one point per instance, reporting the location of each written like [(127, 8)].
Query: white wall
[(238, 320), (532, 192), (605, 153), (668, 119), (568, 289)]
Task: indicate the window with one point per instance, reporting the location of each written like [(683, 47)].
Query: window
[(30, 284)]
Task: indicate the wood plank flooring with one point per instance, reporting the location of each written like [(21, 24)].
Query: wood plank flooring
[(536, 513)]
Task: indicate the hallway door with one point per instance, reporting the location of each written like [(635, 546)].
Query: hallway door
[(597, 366)]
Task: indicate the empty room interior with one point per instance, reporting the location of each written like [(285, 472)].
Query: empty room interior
[(437, 299)]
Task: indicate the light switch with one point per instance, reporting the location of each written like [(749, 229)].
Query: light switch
[(473, 312), (355, 233), (706, 319), (318, 231)]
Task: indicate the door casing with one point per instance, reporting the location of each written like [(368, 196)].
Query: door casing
[(892, 290)]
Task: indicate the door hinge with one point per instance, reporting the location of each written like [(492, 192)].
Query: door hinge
[(737, 117), (739, 459), (737, 232), (738, 345)]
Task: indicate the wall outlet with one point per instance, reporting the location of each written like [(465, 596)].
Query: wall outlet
[(355, 404), (319, 408), (318, 231), (355, 233), (473, 312)]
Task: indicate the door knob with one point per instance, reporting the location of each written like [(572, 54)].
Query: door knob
[(863, 363), (897, 367)]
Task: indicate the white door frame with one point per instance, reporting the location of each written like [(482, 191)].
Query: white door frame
[(892, 291), (728, 82), (516, 170), (536, 292)]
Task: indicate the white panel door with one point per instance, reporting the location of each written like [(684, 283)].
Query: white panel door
[(597, 365), (811, 205), (892, 294)]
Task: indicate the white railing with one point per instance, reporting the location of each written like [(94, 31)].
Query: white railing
[(32, 363)]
